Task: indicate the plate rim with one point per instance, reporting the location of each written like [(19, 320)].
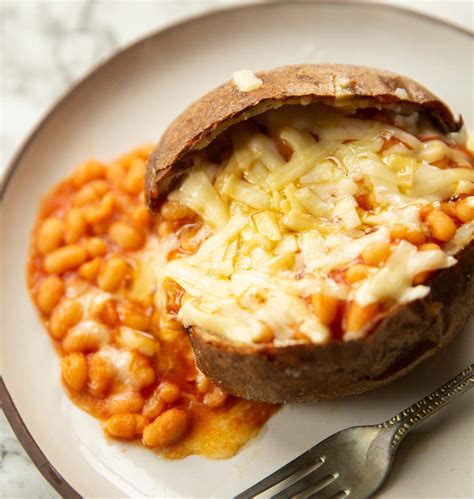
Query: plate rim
[(7, 404)]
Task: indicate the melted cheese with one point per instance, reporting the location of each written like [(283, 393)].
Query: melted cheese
[(280, 228), (393, 281)]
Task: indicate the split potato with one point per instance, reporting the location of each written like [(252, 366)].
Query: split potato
[(405, 331)]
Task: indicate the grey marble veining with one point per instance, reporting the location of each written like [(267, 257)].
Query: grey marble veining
[(18, 476), (45, 47)]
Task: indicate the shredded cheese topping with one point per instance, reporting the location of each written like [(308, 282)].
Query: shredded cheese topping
[(283, 228), (246, 80)]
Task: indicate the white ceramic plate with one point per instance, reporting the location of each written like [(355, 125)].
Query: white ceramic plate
[(130, 100)]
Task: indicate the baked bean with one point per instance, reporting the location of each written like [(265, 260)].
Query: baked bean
[(63, 259), (125, 402), (141, 217), (169, 392), (50, 291), (165, 364), (76, 225), (415, 236), (425, 211), (168, 428), (144, 151), (136, 340), (126, 160), (464, 209), (101, 228), (138, 164), (66, 315), (428, 247), (81, 343), (266, 334), (95, 246), (116, 173), (154, 406), (448, 208), (125, 425), (215, 398), (398, 231), (86, 195), (442, 226), (86, 337), (188, 354), (101, 374), (101, 212), (90, 170), (127, 237), (139, 367), (325, 307), (141, 423), (90, 270), (124, 206), (50, 235), (358, 317), (422, 277), (357, 272), (172, 323), (74, 371), (173, 210), (134, 180), (100, 186), (131, 316), (113, 274), (283, 148), (375, 253)]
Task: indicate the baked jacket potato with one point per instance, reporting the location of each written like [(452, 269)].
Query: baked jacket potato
[(330, 248)]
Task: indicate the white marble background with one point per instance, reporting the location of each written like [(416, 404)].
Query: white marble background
[(45, 46)]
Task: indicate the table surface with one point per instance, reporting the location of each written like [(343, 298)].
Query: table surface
[(48, 45)]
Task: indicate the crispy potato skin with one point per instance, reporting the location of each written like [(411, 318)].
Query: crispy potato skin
[(396, 344), (209, 116)]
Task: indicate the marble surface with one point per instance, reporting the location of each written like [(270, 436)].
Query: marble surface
[(47, 46)]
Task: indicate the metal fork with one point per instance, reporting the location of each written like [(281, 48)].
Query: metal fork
[(355, 462)]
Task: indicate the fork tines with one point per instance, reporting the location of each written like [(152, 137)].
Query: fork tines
[(303, 470)]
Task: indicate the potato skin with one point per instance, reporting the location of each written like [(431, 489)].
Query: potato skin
[(213, 113), (396, 344)]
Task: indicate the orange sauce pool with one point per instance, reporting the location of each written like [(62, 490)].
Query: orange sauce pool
[(122, 360)]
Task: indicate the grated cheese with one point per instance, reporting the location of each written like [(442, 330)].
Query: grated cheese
[(280, 228), (246, 81)]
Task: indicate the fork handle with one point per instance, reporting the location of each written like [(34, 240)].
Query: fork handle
[(424, 408)]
